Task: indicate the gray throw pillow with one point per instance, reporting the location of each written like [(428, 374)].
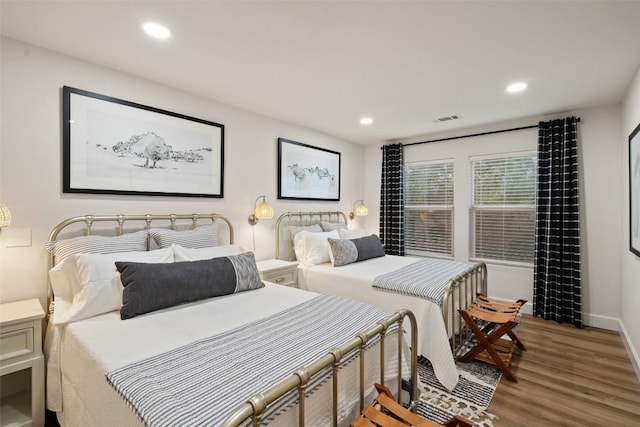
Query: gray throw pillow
[(368, 247), (342, 252), (347, 251), (150, 287)]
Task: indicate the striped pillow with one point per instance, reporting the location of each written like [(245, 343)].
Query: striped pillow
[(132, 242), (201, 237)]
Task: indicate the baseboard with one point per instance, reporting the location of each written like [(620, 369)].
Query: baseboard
[(602, 322), (593, 320), (633, 354)]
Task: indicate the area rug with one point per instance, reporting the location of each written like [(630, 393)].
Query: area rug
[(476, 384)]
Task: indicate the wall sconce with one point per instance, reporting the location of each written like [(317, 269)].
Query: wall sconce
[(359, 210), (5, 216), (260, 211)]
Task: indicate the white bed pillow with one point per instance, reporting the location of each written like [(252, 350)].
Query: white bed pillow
[(313, 248), (287, 236), (204, 236), (181, 253), (352, 234), (97, 245), (86, 285)]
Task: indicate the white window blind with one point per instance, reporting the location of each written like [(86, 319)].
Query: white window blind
[(503, 193), (429, 209)]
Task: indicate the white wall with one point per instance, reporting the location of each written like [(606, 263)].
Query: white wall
[(630, 289), (31, 165), (600, 129)]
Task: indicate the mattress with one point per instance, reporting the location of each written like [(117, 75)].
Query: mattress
[(355, 281), (86, 350)]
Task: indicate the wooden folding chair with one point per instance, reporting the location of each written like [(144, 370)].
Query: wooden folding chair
[(384, 411), (499, 318)]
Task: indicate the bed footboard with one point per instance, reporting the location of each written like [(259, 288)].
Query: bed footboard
[(459, 293), (255, 407)]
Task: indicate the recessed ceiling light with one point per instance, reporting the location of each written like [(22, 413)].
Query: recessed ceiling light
[(516, 87), (366, 121), (156, 31)]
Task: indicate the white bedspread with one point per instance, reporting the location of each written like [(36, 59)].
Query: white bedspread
[(355, 281), (86, 350)]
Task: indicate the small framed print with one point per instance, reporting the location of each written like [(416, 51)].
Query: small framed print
[(306, 172)]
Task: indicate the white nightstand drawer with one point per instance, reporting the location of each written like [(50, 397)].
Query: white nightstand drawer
[(278, 271), (16, 343), (287, 278), (21, 349)]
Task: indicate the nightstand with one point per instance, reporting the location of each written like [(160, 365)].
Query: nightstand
[(21, 349), (278, 271)]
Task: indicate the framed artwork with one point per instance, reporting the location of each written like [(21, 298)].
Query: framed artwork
[(634, 191), (306, 172), (111, 146)]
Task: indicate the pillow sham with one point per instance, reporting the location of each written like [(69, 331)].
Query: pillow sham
[(151, 287), (204, 236), (288, 235), (352, 234), (295, 229), (86, 285), (131, 242), (330, 226), (313, 248), (181, 253), (348, 251)]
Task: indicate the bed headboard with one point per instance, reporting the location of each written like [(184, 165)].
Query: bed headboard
[(121, 224), (284, 245)]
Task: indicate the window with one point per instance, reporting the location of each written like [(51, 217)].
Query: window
[(503, 212), (429, 209)]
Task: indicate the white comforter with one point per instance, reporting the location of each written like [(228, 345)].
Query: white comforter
[(355, 281), (81, 353)]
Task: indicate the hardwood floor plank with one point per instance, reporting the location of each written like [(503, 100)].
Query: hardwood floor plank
[(568, 377)]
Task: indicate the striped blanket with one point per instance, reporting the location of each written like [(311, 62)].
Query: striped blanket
[(426, 278), (202, 382)]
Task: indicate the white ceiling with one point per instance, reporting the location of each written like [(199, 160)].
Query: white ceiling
[(325, 64)]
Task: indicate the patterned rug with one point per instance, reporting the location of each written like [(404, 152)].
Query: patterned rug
[(476, 384)]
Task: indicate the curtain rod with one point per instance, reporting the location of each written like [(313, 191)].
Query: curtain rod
[(475, 134)]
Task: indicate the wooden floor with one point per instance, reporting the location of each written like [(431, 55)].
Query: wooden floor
[(568, 377)]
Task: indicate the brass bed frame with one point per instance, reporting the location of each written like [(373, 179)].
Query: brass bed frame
[(460, 291), (89, 220), (143, 222), (254, 408)]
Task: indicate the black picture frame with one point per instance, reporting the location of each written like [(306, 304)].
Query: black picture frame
[(113, 146), (306, 172), (634, 191)]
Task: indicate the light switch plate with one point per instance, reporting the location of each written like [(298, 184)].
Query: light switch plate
[(17, 237)]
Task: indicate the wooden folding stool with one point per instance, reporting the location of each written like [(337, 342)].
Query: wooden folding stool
[(499, 318), (384, 411)]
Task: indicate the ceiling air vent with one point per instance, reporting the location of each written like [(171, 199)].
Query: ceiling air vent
[(446, 119)]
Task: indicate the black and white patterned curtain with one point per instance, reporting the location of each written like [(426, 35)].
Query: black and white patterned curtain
[(557, 293), (392, 199)]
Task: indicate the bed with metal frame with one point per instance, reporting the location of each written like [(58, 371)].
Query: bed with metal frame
[(252, 410), (460, 290)]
